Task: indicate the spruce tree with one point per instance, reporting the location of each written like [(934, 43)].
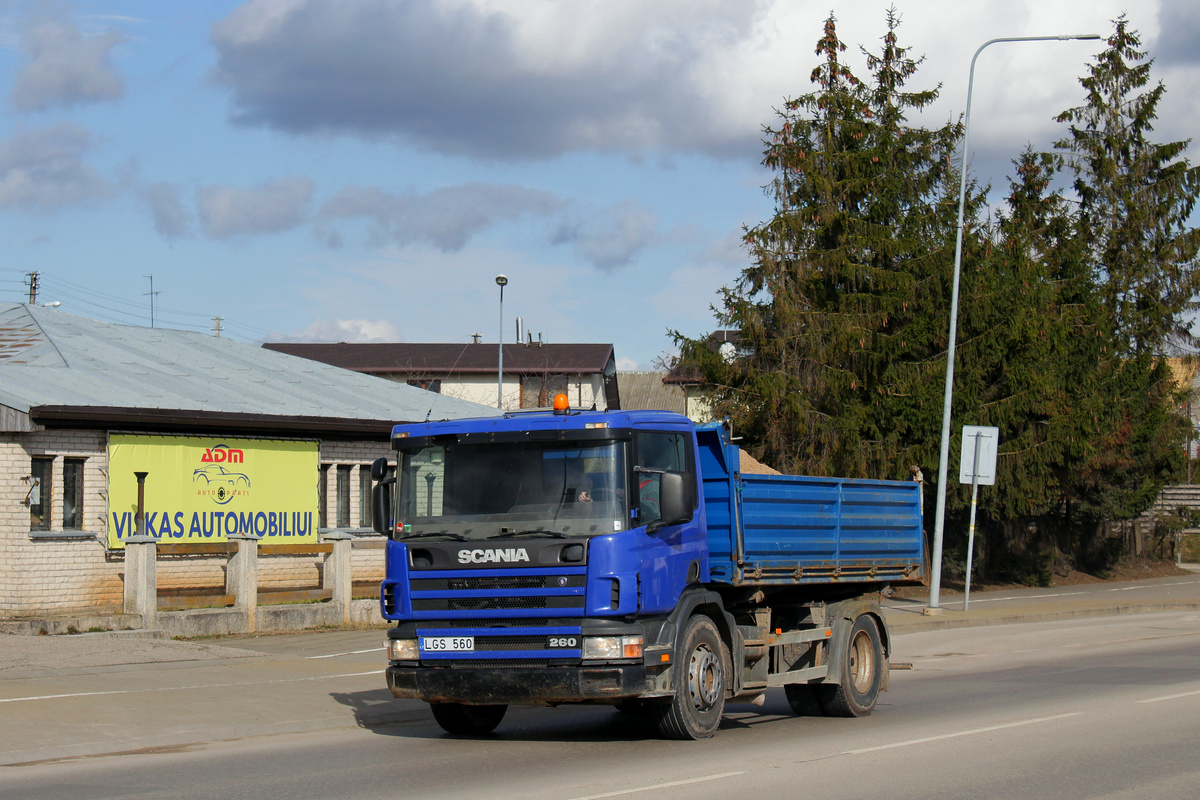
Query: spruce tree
[(1135, 198), (854, 254)]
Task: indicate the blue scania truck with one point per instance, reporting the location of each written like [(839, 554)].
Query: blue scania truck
[(624, 558)]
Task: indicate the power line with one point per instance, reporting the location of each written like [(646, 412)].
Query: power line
[(121, 310)]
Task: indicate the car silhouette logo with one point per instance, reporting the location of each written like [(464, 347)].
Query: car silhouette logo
[(225, 485)]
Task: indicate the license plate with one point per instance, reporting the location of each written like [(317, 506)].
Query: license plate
[(445, 644)]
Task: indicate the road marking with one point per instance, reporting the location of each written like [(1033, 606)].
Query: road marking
[(349, 653), (971, 732), (183, 688), (1152, 586), (1024, 597), (1170, 697), (660, 786)]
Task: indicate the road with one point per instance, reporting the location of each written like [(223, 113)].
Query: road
[(1097, 708)]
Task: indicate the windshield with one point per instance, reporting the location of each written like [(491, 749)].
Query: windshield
[(499, 490)]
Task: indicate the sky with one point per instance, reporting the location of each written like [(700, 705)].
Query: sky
[(362, 170)]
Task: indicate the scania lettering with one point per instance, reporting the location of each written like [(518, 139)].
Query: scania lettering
[(485, 556), (652, 573)]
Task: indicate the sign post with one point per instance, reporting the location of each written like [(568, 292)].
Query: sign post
[(977, 465)]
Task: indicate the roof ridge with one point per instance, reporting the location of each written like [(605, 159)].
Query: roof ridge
[(21, 333)]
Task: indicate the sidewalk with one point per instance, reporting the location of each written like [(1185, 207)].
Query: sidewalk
[(1179, 593)]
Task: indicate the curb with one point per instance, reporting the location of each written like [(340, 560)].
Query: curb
[(900, 627)]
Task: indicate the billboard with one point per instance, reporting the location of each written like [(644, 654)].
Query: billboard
[(203, 489)]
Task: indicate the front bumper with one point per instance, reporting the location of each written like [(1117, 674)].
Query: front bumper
[(527, 685)]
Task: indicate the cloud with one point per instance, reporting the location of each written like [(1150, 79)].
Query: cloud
[(44, 170), (499, 79), (345, 330), (1179, 23), (610, 239), (446, 218), (272, 207), (449, 217), (65, 68), (171, 219)]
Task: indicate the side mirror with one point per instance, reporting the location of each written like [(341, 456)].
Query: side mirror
[(381, 505), (379, 469), (675, 499)]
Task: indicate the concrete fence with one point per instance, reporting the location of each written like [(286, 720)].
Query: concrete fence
[(245, 607)]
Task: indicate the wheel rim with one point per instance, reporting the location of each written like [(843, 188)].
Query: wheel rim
[(862, 662), (704, 678)]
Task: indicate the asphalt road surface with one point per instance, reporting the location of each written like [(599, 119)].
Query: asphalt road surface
[(1101, 708)]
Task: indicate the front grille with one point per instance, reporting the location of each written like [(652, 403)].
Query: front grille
[(549, 592), (500, 624), (466, 584), (496, 603)]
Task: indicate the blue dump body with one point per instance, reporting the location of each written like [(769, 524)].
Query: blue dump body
[(788, 529)]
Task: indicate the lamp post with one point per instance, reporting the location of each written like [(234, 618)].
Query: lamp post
[(501, 281), (935, 583)]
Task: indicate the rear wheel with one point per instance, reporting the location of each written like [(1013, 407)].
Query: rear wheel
[(862, 673), (467, 720), (695, 710)]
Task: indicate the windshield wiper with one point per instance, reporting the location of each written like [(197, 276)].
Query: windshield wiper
[(538, 532), (456, 536)]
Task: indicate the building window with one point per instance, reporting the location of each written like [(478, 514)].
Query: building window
[(428, 384), (322, 492), (343, 495), (72, 518), (39, 494), (364, 496)]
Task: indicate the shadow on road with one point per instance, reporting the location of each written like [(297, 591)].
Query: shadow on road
[(376, 710)]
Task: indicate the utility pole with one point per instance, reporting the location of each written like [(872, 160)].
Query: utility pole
[(217, 326), (33, 286), (151, 293)]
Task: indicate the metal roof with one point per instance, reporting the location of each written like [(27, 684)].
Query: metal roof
[(446, 360), (51, 359), (647, 390)]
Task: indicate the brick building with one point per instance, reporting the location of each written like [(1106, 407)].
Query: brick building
[(74, 391)]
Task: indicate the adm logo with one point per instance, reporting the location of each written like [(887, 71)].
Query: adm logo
[(219, 483)]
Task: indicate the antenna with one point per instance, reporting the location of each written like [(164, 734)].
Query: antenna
[(151, 293)]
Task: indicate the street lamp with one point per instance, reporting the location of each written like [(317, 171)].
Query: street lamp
[(501, 281), (935, 583)]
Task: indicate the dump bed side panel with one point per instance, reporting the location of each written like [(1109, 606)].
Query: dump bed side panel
[(796, 529)]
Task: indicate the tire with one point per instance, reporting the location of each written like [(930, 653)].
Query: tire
[(694, 712), (862, 673), (805, 700), (467, 720)]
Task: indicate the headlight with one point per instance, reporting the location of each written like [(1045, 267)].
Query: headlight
[(608, 647), (402, 650)]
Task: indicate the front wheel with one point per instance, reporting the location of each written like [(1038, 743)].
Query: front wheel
[(695, 710), (862, 673), (467, 720)]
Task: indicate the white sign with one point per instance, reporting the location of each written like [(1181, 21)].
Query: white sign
[(982, 441)]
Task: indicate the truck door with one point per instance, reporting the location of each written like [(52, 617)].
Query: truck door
[(672, 548)]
